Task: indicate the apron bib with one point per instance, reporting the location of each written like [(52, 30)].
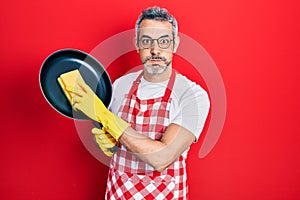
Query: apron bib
[(129, 178)]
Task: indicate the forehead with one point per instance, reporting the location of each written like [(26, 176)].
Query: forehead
[(154, 28)]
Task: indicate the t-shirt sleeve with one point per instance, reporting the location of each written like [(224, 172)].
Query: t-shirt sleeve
[(120, 88), (193, 110)]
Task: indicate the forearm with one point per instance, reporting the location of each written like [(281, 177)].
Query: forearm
[(153, 152), (158, 153)]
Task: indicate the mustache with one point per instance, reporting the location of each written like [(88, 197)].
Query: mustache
[(155, 58)]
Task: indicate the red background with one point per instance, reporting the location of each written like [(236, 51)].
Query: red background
[(255, 45)]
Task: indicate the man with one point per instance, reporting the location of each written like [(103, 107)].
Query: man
[(156, 114)]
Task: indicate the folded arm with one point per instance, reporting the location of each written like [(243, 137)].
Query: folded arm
[(158, 153)]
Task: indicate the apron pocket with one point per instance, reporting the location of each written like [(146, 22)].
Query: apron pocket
[(160, 187)]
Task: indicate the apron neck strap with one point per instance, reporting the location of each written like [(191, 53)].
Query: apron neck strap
[(168, 91), (169, 88)]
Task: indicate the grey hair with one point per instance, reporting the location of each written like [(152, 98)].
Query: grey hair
[(156, 13)]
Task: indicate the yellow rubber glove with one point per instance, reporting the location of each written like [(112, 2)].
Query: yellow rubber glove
[(85, 100), (105, 141)]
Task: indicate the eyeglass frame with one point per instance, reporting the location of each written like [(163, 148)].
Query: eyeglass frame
[(152, 41)]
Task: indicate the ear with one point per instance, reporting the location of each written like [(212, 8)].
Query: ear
[(136, 44), (177, 41)]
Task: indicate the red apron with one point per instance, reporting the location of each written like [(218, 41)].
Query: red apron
[(129, 177)]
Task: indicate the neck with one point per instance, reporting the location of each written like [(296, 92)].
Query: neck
[(156, 78)]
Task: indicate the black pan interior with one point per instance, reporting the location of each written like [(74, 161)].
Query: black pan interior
[(92, 71)]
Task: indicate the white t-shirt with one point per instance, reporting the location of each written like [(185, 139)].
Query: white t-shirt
[(189, 102)]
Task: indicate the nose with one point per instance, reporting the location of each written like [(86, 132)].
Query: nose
[(154, 48)]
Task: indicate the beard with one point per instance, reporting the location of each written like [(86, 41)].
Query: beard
[(156, 68)]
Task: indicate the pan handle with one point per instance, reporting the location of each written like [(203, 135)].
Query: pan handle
[(97, 124)]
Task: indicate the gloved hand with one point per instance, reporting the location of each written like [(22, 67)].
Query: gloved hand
[(105, 141), (85, 100)]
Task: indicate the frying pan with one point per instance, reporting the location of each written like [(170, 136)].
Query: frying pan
[(91, 70)]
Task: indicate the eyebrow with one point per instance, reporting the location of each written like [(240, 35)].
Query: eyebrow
[(147, 36)]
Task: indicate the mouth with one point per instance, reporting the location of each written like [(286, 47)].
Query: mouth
[(155, 59)]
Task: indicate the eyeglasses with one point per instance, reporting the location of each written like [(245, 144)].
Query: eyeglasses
[(147, 42)]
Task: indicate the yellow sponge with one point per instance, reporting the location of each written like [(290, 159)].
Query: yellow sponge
[(69, 79)]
